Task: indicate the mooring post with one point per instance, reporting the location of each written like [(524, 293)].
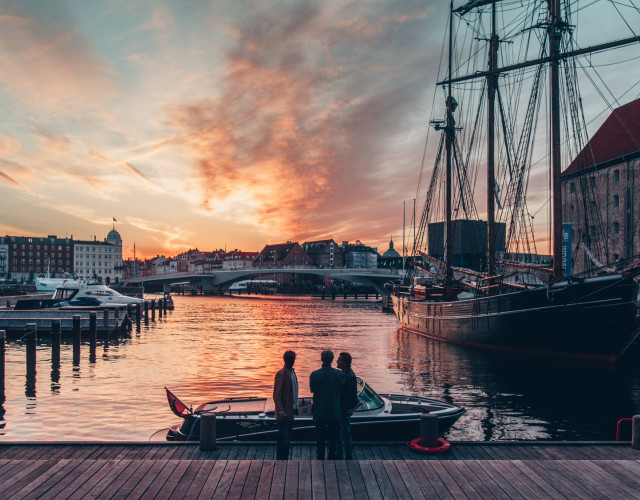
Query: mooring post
[(635, 432), (355, 295), (333, 295), (345, 295), (76, 339), (31, 337), (153, 310), (146, 312), (429, 430), (138, 314), (207, 431), (130, 311), (105, 318), (93, 336), (2, 342), (376, 295), (8, 304), (55, 344)]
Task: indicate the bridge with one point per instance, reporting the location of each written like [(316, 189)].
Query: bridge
[(223, 279)]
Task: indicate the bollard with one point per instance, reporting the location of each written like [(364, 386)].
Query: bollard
[(105, 318), (2, 339), (138, 314), (76, 339), (31, 337), (207, 431), (153, 310), (55, 344), (429, 430), (146, 312), (93, 336), (635, 433)]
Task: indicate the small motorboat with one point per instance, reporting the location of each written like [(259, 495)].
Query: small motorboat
[(378, 417)]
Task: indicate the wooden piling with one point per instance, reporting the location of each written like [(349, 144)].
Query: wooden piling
[(429, 430), (138, 315), (207, 431), (153, 310), (345, 295), (93, 336), (2, 342), (635, 433), (333, 295), (146, 312), (105, 318), (55, 344), (8, 304), (76, 339), (31, 338), (355, 295), (323, 294)]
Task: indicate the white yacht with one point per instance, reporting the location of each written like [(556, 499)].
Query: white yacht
[(81, 293)]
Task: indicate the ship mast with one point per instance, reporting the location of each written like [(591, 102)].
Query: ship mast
[(555, 36), (492, 83), (450, 123)]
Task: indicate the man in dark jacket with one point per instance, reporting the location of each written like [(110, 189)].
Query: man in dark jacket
[(325, 386), (348, 403), (285, 397)]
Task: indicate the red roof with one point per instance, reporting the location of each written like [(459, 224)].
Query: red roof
[(618, 136)]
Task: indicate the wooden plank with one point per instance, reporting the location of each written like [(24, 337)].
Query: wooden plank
[(415, 490), (620, 472), (356, 479), (111, 489), (430, 484), (93, 468), (436, 469), (239, 479), (187, 478), (370, 482), (600, 479), (291, 480), (503, 480), (109, 478), (482, 484), (126, 486), (174, 479), (199, 480), (226, 479), (318, 488), (91, 477), (304, 480), (556, 480), (211, 482), (253, 478), (64, 486), (343, 480), (523, 479), (397, 483), (330, 479), (277, 483), (22, 475), (382, 479), (264, 484), (47, 479)]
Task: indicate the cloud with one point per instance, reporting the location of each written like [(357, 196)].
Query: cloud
[(47, 62), (125, 167), (10, 179), (309, 112)]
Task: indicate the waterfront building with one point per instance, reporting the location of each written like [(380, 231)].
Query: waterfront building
[(186, 258), (213, 260), (324, 253), (237, 259), (4, 257), (99, 260), (28, 257), (359, 255), (390, 259), (289, 254), (600, 193)]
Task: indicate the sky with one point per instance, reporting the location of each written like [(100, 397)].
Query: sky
[(216, 123)]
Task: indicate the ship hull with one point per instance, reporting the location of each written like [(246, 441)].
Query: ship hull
[(593, 318)]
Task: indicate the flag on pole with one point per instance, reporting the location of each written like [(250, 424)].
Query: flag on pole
[(114, 220)]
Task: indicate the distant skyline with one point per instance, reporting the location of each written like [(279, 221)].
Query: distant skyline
[(210, 124)]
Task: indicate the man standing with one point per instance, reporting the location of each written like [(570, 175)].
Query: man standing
[(325, 386), (285, 397), (348, 404)]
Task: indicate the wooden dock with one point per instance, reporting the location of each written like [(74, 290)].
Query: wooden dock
[(380, 471)]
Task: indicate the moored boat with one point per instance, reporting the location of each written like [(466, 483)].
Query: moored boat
[(379, 417)]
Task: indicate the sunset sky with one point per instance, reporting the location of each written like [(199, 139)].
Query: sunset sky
[(213, 123)]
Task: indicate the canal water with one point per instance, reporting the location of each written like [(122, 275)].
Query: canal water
[(217, 347)]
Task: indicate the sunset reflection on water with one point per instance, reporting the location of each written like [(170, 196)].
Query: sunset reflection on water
[(217, 347)]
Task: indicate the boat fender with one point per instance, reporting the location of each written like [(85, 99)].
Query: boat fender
[(415, 445)]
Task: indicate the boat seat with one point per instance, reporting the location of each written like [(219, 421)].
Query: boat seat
[(304, 406)]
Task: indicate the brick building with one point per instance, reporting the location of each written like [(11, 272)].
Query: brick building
[(26, 256), (324, 253), (601, 192), (289, 254)]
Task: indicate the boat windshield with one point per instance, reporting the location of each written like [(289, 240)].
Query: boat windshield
[(367, 397)]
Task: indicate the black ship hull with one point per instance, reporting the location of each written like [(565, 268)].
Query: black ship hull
[(592, 318)]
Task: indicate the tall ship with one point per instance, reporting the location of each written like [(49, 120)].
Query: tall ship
[(507, 299)]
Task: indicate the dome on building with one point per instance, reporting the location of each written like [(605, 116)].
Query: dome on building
[(391, 253), (114, 237)]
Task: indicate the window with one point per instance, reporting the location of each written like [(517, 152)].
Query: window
[(616, 227), (616, 176), (616, 201)]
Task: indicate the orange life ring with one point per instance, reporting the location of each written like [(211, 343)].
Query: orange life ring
[(415, 445)]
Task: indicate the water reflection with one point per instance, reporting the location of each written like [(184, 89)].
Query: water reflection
[(515, 397)]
